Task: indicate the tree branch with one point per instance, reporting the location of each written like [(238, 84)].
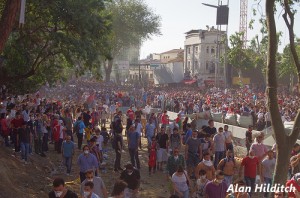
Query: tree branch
[(271, 89), (290, 26)]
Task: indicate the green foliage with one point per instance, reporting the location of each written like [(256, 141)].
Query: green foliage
[(287, 64), (239, 57), (57, 35), (133, 22)]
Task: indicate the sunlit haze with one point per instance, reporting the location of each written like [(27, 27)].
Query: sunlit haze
[(180, 16)]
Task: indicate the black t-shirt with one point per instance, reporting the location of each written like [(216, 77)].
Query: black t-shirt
[(249, 136), (69, 194), (132, 180), (138, 114), (162, 140), (211, 131), (86, 119), (25, 135)]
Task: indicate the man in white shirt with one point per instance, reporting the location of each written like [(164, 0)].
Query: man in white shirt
[(228, 138)]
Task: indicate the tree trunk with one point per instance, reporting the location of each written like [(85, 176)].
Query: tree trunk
[(8, 20), (108, 69), (284, 141)]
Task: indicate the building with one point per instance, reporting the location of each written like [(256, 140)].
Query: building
[(201, 56), (163, 68)]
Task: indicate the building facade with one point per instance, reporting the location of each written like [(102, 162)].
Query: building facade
[(202, 52)]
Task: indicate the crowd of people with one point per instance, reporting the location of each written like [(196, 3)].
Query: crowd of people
[(198, 162)]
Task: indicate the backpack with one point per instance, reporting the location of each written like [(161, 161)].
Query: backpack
[(225, 161)]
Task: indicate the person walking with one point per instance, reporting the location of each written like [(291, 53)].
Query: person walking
[(133, 178), (68, 150), (133, 144), (117, 146), (60, 190), (99, 187), (251, 167), (216, 188), (228, 166), (181, 183), (249, 139), (174, 161), (162, 140), (79, 127), (87, 161), (220, 146)]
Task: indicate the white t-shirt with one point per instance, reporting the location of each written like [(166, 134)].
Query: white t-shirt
[(139, 129), (180, 181), (61, 133), (99, 141)]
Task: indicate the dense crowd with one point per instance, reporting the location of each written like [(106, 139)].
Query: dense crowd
[(199, 162)]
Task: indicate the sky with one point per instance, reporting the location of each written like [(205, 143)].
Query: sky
[(180, 16)]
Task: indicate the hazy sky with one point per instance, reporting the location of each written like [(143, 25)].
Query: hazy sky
[(180, 16)]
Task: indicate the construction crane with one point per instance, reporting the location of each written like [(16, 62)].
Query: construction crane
[(243, 20)]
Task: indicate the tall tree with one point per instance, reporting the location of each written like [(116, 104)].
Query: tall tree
[(133, 22), (286, 64), (284, 142), (57, 34), (239, 57), (8, 19)]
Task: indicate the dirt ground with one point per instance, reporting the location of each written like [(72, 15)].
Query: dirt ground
[(35, 179)]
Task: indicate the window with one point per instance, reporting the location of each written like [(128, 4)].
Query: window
[(212, 50), (189, 63), (151, 76), (196, 50), (189, 50), (207, 65), (207, 50), (212, 68), (196, 64)]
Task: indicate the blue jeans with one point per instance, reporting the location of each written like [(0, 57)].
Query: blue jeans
[(251, 183), (149, 139), (218, 156), (68, 163), (228, 180), (185, 193), (134, 158), (24, 150), (267, 181)]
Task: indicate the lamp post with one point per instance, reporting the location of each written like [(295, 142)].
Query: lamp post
[(221, 19)]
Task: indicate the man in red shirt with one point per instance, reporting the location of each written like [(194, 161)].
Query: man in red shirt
[(294, 182), (250, 163), (16, 125), (130, 113), (165, 119)]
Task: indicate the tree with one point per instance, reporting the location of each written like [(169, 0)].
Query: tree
[(133, 22), (286, 64), (58, 34), (239, 57), (284, 142), (9, 10)]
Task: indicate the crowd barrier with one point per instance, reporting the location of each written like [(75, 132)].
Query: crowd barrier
[(239, 127)]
